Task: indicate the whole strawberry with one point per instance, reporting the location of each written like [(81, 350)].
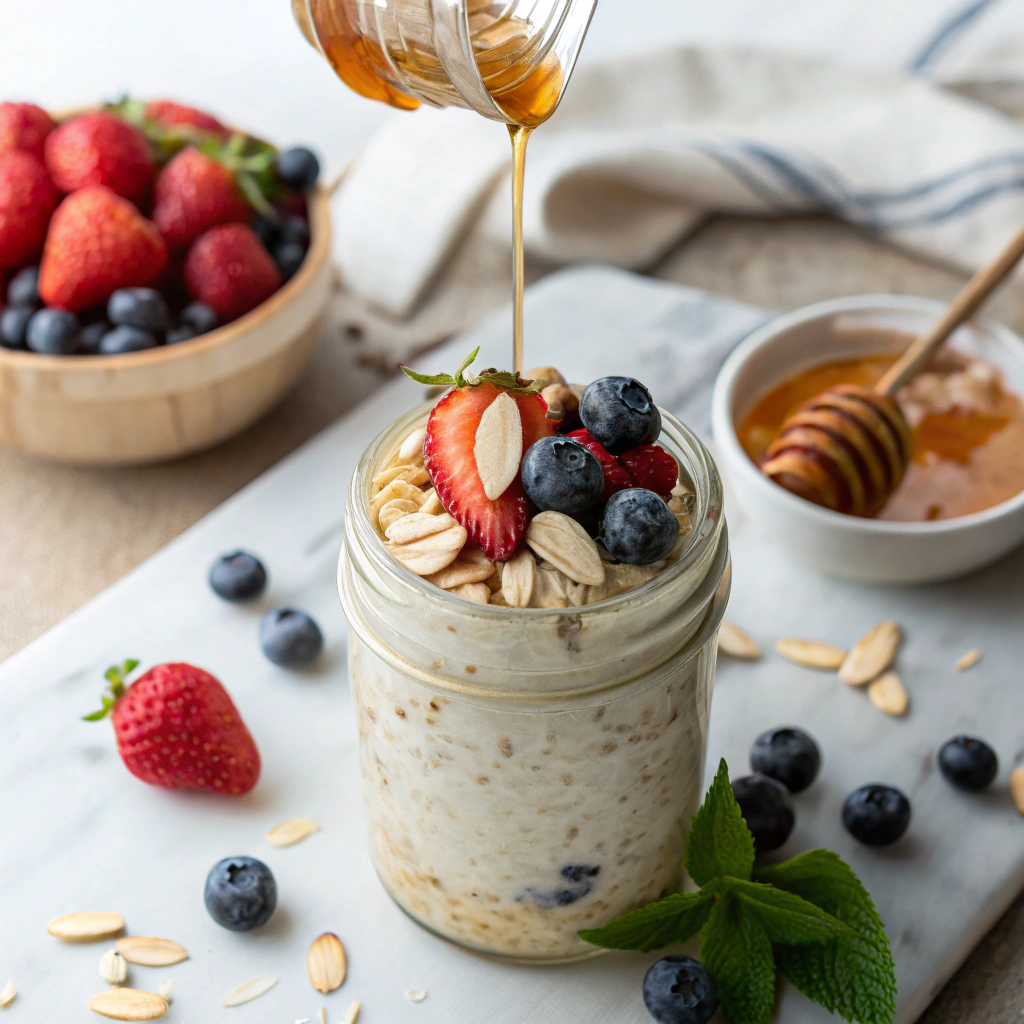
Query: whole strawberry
[(176, 726), (169, 113), (24, 126), (100, 149), (194, 193), (27, 200), (97, 243), (229, 269)]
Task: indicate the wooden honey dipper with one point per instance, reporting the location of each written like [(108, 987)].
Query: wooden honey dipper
[(849, 447)]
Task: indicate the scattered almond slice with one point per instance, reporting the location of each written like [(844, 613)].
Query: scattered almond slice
[(479, 592), (326, 964), (811, 653), (567, 546), (888, 694), (736, 643), (498, 445), (393, 510), (415, 995), (7, 994), (972, 657), (249, 990), (872, 654), (1017, 788), (86, 926), (411, 449), (150, 951), (471, 566), (113, 967), (517, 578), (165, 988), (352, 1013), (292, 831), (128, 1004)]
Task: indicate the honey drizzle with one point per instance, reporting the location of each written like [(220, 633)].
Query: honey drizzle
[(520, 137)]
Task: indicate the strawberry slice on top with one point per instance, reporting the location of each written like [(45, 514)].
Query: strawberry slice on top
[(452, 450)]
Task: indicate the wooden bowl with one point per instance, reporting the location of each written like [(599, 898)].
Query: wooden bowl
[(169, 401)]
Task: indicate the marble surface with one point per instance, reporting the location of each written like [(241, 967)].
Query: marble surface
[(80, 833)]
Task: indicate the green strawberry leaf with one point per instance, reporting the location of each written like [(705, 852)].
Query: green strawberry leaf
[(436, 380), (720, 842), (116, 676), (675, 918), (465, 378), (786, 917), (250, 188)]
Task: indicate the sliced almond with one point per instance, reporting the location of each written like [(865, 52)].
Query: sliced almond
[(479, 592), (736, 643), (811, 653), (411, 449), (165, 987), (150, 951), (249, 990), (352, 1013), (972, 657), (548, 374), (620, 578), (432, 506), (1017, 788), (567, 546), (113, 967), (128, 1004), (292, 831), (395, 489), (431, 551), (415, 995), (498, 447), (7, 994), (872, 654), (325, 962), (517, 578), (86, 926), (888, 694), (394, 510), (549, 590), (471, 566)]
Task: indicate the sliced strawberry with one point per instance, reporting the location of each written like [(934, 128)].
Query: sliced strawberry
[(497, 525), (615, 476), (652, 467)]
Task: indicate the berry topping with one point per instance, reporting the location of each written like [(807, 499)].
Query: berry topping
[(168, 113), (560, 475), (24, 126), (679, 990), (652, 467), (290, 638), (23, 289), (53, 332), (620, 413), (787, 755), (124, 339), (637, 527), (876, 815), (968, 763), (27, 201), (138, 307), (764, 804), (298, 168), (616, 477), (238, 576), (240, 893)]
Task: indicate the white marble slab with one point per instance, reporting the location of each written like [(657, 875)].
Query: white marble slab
[(78, 832)]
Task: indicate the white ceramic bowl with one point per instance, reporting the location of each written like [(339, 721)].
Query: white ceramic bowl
[(874, 550)]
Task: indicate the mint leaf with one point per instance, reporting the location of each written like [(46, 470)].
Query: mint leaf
[(737, 952), (675, 918), (720, 842), (853, 974), (786, 917)]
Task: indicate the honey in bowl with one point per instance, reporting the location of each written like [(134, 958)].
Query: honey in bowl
[(968, 431)]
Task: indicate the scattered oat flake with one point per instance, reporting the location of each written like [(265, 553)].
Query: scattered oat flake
[(1017, 788), (323, 1015), (888, 694), (249, 990), (128, 1004), (9, 992), (86, 926), (811, 653), (415, 995), (736, 642), (150, 951), (164, 988), (325, 962), (113, 968), (872, 654), (972, 657), (352, 1013), (292, 831)]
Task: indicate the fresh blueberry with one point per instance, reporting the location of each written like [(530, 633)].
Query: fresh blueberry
[(200, 317), (788, 755), (967, 762), (23, 289), (14, 325), (176, 335), (290, 638), (126, 339), (637, 527), (877, 815), (289, 256), (294, 229), (579, 879), (138, 307), (240, 893), (561, 476), (764, 804), (54, 332), (620, 413), (238, 576), (679, 990), (265, 229), (298, 168), (92, 335)]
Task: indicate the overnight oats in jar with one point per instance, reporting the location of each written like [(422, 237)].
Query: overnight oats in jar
[(533, 625)]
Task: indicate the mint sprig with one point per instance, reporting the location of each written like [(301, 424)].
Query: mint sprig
[(465, 378), (809, 917)]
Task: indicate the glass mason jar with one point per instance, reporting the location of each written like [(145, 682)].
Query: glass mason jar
[(529, 773), (506, 59)]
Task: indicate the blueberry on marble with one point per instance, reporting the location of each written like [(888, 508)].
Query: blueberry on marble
[(620, 413), (138, 307), (23, 289), (298, 168), (788, 755), (968, 763), (240, 893), (53, 332), (290, 638), (125, 338), (637, 527), (560, 475), (92, 335), (764, 804), (679, 990), (238, 576), (580, 883), (876, 815), (14, 326), (200, 317)]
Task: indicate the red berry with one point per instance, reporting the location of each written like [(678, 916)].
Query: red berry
[(194, 193), (97, 243), (652, 467), (229, 269), (616, 478), (167, 113), (177, 727), (24, 126), (100, 149), (27, 200)]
